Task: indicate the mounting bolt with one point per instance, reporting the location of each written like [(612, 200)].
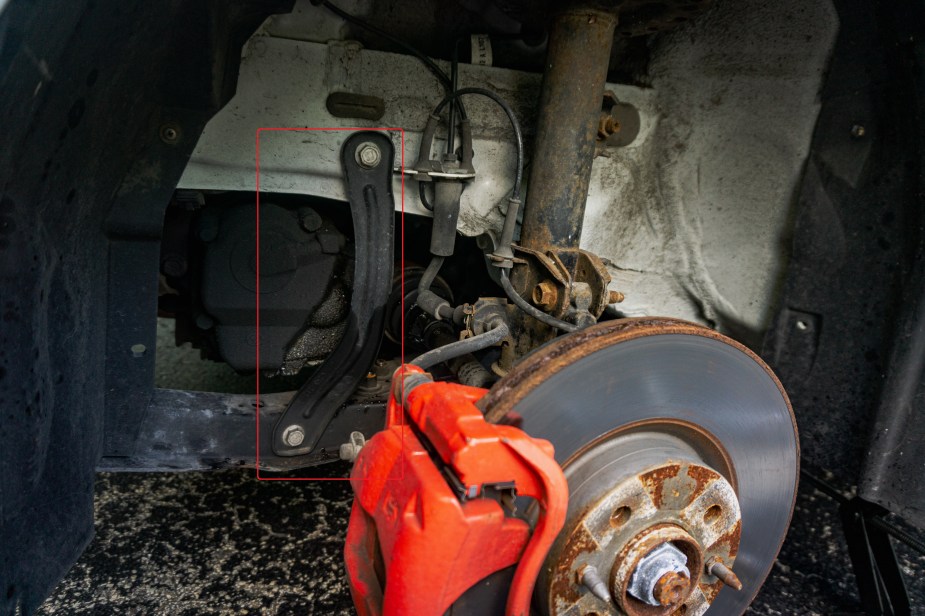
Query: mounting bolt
[(724, 573), (293, 436), (857, 131), (368, 155), (615, 297), (309, 219), (607, 125), (170, 133), (545, 294), (138, 350)]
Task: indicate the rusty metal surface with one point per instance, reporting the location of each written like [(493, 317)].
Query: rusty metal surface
[(573, 84), (580, 387), (635, 550), (613, 521)]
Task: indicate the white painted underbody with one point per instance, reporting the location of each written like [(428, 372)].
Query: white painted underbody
[(694, 217)]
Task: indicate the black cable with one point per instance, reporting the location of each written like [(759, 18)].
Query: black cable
[(518, 134), (463, 347), (423, 195), (536, 313), (454, 85), (824, 486), (430, 273), (430, 64)]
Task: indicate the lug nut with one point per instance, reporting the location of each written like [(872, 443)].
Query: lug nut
[(368, 155), (591, 579), (293, 436), (724, 573)]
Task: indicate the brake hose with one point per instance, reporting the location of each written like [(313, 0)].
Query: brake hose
[(462, 347)]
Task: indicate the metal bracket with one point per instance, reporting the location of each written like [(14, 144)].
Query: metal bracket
[(881, 585), (367, 159)]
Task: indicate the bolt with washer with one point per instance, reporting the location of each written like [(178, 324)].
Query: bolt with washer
[(293, 436), (368, 155)]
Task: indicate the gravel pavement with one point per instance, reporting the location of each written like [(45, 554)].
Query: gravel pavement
[(223, 543)]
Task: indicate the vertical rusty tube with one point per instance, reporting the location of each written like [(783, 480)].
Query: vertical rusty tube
[(570, 105)]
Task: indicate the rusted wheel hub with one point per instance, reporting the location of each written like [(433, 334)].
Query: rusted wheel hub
[(680, 451), (651, 524)]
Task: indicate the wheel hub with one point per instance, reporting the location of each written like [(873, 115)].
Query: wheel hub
[(680, 451), (649, 524)]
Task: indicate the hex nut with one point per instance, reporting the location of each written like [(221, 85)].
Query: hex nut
[(546, 295), (368, 155), (293, 436)]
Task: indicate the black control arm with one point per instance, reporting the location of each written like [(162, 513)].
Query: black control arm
[(367, 159)]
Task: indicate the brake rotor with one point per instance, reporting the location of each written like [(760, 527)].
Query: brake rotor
[(670, 434)]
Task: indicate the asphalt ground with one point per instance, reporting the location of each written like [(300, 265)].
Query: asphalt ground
[(224, 543)]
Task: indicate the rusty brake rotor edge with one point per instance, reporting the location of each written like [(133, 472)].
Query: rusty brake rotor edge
[(579, 390)]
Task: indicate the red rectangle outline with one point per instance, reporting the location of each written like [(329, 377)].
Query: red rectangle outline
[(257, 292)]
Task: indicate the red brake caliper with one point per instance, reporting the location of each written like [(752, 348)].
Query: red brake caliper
[(425, 526)]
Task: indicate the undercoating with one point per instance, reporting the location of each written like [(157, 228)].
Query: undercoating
[(694, 217)]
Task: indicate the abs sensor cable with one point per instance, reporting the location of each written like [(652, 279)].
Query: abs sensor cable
[(503, 253)]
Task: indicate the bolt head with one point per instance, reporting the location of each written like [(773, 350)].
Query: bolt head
[(368, 155), (293, 436), (170, 133), (545, 294), (310, 220), (607, 126), (671, 588)]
